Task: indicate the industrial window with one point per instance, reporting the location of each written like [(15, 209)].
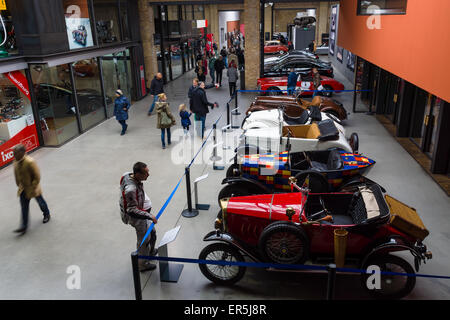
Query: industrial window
[(371, 7)]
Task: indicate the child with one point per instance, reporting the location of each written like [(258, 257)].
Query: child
[(185, 121)]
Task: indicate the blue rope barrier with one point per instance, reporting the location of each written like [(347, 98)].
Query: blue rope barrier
[(305, 90), (150, 228), (282, 266)]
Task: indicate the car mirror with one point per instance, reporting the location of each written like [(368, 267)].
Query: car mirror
[(290, 212)]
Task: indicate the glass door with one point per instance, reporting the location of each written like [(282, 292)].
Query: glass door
[(417, 126)]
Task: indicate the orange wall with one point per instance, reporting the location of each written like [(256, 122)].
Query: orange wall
[(415, 46)]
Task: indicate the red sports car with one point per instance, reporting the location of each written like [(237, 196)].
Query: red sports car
[(276, 84), (275, 47)]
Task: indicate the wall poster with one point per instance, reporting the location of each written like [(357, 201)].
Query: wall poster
[(78, 24)]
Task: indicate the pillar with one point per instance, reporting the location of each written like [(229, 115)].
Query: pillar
[(252, 42), (323, 17), (147, 25)]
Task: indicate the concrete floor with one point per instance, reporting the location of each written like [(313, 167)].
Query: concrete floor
[(80, 183)]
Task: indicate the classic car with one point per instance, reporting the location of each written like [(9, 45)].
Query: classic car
[(326, 105), (291, 54), (327, 170), (305, 86), (293, 228), (272, 133), (301, 65), (275, 46)]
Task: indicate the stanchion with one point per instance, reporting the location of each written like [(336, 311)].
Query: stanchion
[(224, 131), (228, 113), (189, 212), (331, 281), (136, 276), (214, 156)]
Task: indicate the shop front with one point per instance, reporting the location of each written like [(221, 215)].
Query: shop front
[(17, 123)]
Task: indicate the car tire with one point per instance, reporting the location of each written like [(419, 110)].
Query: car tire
[(317, 182), (354, 142), (329, 93), (274, 93), (221, 252), (386, 262), (284, 242)]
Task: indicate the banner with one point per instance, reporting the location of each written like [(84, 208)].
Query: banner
[(19, 80), (78, 24), (27, 137)]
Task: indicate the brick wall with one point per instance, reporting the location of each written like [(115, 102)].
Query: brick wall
[(252, 55)]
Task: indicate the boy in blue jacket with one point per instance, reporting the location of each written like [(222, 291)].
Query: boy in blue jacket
[(185, 121)]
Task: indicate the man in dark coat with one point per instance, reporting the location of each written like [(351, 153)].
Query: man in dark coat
[(156, 87), (191, 90), (219, 65), (200, 105)]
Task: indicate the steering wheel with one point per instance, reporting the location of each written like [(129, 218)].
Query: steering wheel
[(308, 159), (324, 211)]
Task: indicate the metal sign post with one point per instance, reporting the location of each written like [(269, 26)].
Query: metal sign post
[(197, 205), (168, 272)]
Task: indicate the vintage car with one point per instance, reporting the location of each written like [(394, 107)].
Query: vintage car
[(327, 170), (294, 228), (80, 35), (325, 105), (275, 46), (274, 134), (291, 54), (305, 86), (301, 64)]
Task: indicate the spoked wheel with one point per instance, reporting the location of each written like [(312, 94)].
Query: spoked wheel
[(285, 243), (224, 275), (391, 286)]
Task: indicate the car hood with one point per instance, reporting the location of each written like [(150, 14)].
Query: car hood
[(268, 206)]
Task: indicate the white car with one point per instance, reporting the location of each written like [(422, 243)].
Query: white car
[(268, 132)]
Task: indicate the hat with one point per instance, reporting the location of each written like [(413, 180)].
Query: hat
[(119, 92)]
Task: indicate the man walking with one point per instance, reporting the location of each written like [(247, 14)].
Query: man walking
[(212, 70), (200, 105), (156, 87), (135, 207), (121, 107), (28, 179), (219, 65)]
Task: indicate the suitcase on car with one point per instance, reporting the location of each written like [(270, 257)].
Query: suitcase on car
[(406, 219)]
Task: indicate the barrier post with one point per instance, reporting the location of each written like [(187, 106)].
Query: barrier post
[(228, 114), (136, 276), (331, 281), (189, 212), (214, 156)]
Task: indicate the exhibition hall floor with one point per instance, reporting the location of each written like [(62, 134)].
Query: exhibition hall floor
[(80, 181)]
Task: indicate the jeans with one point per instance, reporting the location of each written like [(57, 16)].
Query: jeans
[(202, 127), (211, 73), (155, 97), (124, 125), (25, 205), (232, 86), (219, 77), (290, 91), (163, 136)]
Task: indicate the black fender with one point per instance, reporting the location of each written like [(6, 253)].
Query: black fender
[(254, 183), (218, 235), (390, 245)]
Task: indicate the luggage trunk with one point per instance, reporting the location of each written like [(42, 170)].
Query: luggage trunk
[(406, 219)]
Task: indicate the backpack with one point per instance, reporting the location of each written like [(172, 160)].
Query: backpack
[(165, 119)]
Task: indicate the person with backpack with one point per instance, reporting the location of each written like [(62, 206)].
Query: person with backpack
[(232, 77), (212, 70), (165, 118), (121, 107), (135, 207)]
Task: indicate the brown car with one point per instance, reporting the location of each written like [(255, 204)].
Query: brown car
[(326, 105)]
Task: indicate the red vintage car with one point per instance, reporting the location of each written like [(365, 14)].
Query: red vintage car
[(275, 47), (293, 228), (275, 85)]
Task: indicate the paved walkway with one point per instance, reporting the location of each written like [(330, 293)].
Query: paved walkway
[(80, 183)]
